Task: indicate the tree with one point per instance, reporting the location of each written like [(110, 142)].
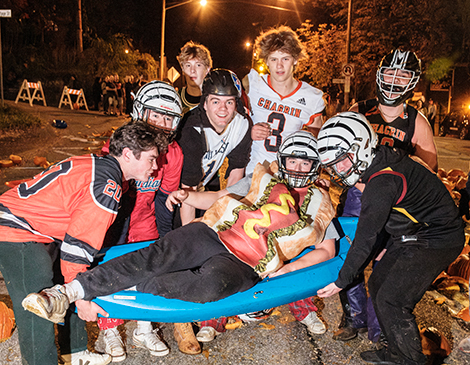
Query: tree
[(433, 29)]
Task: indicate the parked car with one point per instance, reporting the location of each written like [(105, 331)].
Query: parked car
[(456, 123)]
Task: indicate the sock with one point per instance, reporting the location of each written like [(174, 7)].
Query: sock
[(74, 291), (144, 327)]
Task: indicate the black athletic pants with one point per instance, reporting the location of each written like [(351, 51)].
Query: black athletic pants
[(397, 284), (189, 263), (29, 267)]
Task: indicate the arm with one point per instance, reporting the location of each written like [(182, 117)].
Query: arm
[(235, 176), (354, 108), (172, 165), (423, 142), (195, 199), (323, 252), (314, 128), (187, 212), (378, 199), (238, 158), (163, 215)]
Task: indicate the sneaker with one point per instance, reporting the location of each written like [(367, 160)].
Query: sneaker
[(86, 358), (382, 357), (114, 345), (150, 341), (314, 325), (50, 304), (207, 334), (256, 316)]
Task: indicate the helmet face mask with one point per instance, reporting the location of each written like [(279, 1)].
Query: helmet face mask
[(397, 76), (346, 145), (161, 98), (345, 171), (302, 146)]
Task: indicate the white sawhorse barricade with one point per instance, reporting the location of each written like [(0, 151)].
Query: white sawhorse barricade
[(25, 92), (66, 99)]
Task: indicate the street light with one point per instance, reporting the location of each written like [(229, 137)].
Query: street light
[(162, 44)]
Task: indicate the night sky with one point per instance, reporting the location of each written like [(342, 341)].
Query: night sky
[(224, 27)]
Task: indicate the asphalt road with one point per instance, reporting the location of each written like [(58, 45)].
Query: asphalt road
[(277, 340)]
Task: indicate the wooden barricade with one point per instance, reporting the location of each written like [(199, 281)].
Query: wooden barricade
[(25, 92), (66, 99)]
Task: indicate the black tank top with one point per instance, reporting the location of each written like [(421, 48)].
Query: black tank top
[(397, 134)]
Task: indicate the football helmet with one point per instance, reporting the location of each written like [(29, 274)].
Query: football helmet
[(222, 82), (300, 144), (161, 98), (397, 75), (346, 146)]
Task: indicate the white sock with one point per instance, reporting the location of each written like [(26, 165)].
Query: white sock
[(74, 291), (144, 327)]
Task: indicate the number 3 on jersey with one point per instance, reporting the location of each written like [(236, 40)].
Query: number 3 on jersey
[(277, 122)]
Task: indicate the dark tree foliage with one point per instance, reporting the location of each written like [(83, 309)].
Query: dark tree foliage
[(434, 29)]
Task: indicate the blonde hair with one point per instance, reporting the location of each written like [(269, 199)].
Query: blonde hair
[(282, 39), (194, 50)]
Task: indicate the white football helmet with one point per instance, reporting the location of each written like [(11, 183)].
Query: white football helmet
[(161, 98), (300, 144), (393, 87), (348, 136)]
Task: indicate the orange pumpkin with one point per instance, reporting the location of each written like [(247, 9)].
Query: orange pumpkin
[(460, 267), (7, 322), (434, 342)]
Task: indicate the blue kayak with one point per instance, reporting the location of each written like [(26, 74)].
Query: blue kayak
[(268, 293)]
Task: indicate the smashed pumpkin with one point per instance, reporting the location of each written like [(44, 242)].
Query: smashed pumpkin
[(7, 322), (460, 267)]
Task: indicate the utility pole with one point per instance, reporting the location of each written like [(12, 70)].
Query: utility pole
[(347, 80), (80, 29)]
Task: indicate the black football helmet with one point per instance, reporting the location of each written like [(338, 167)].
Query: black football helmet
[(393, 87)]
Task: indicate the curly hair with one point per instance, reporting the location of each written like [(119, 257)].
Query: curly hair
[(194, 50), (138, 137), (282, 39)]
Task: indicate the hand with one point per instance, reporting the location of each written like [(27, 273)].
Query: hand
[(328, 291), (176, 197), (88, 311), (260, 131), (283, 270)]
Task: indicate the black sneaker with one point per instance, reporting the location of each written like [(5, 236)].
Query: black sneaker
[(380, 357)]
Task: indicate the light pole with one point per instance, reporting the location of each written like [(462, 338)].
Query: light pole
[(162, 43)]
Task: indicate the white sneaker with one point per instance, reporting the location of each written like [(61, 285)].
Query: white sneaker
[(207, 334), (150, 341), (256, 316), (314, 325), (86, 358), (114, 345), (50, 304)]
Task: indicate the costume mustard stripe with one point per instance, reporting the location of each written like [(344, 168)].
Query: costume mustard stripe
[(266, 220), (403, 211)]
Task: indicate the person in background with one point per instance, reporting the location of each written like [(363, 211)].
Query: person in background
[(432, 112), (96, 92)]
